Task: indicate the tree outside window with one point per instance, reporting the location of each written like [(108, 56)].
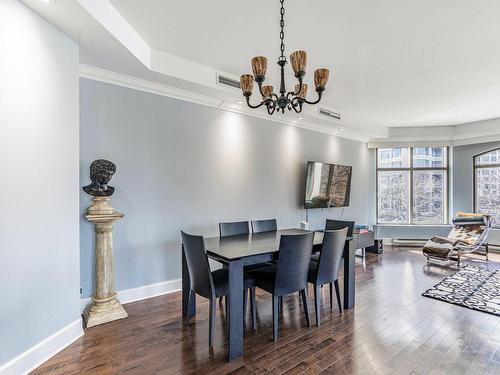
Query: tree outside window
[(412, 185)]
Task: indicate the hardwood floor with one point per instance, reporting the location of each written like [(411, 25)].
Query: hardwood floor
[(392, 330)]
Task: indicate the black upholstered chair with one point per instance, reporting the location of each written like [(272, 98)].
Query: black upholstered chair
[(207, 283), (233, 228), (339, 224), (239, 228), (335, 225), (259, 226), (289, 275), (326, 270)]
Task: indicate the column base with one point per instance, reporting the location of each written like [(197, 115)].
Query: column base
[(103, 311)]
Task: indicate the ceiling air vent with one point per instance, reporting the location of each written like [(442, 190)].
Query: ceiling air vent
[(327, 113), (226, 81)]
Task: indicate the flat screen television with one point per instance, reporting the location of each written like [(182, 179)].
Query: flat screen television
[(327, 185)]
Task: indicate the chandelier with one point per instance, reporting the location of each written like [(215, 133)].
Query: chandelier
[(289, 100)]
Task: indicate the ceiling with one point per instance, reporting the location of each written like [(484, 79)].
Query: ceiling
[(395, 63)]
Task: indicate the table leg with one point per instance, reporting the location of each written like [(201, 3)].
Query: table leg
[(349, 267), (235, 318), (188, 300)]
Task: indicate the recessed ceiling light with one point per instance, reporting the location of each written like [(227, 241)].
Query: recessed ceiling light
[(341, 129), (240, 102), (299, 118)]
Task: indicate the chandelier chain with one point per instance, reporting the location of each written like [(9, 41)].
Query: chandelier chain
[(282, 32)]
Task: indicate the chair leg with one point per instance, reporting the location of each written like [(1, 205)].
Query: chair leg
[(211, 324), (253, 307), (317, 302), (275, 317), (337, 291), (281, 305), (245, 297), (192, 296), (331, 296), (306, 306)]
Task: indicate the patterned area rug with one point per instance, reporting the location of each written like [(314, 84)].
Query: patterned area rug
[(473, 287)]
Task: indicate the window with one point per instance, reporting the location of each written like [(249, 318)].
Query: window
[(412, 185), (487, 183)]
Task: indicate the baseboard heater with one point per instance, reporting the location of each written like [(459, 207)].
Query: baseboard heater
[(408, 242)]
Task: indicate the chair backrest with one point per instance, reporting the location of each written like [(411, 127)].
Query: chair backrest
[(233, 228), (340, 224), (331, 255), (199, 269), (259, 226), (293, 263)]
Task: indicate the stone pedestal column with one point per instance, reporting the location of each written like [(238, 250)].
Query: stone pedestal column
[(104, 306)]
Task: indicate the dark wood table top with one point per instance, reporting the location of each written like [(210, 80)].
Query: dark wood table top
[(241, 246)]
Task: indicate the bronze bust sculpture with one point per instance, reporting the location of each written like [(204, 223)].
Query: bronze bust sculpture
[(101, 172)]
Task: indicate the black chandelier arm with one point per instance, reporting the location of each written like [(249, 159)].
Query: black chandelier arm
[(254, 106), (271, 107), (316, 101), (296, 104), (295, 93), (264, 102)]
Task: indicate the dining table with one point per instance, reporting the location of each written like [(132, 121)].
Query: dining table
[(236, 252)]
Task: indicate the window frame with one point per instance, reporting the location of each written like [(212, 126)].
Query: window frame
[(410, 170), (474, 180)]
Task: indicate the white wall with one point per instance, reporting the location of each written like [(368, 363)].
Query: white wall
[(39, 267), (186, 166)]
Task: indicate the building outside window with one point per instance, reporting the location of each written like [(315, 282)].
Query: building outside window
[(412, 185), (487, 184)]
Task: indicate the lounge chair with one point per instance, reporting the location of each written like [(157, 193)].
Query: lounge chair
[(469, 234)]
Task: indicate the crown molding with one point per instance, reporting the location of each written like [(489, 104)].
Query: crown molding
[(474, 137), (118, 79), (107, 76)]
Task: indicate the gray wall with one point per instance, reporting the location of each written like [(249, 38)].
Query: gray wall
[(39, 264), (186, 166)]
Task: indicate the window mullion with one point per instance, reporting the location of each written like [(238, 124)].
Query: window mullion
[(410, 213)]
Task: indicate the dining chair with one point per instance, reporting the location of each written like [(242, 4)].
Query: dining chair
[(334, 225), (259, 226), (339, 224), (207, 283), (289, 275), (326, 270), (233, 228)]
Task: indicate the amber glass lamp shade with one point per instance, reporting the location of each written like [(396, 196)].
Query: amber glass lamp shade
[(299, 62), (321, 78), (267, 91), (259, 67), (246, 83), (303, 91)]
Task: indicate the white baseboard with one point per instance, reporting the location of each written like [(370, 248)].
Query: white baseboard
[(44, 350), (143, 292)]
